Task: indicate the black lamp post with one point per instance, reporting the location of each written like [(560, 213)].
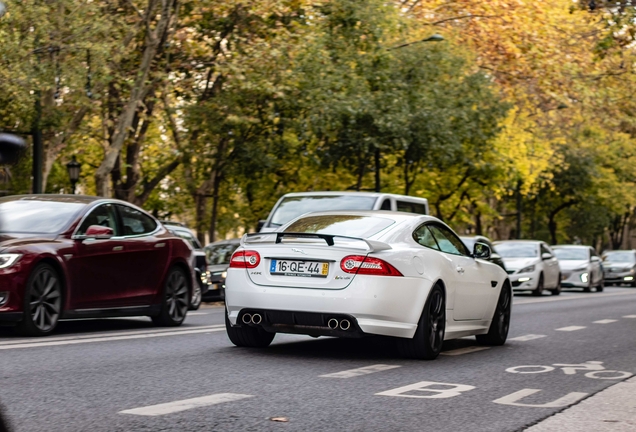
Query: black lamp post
[(73, 168)]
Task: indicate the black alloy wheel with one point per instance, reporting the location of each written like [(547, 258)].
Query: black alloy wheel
[(197, 297), (248, 336), (42, 302), (557, 290), (498, 331), (175, 300), (427, 342), (539, 290)]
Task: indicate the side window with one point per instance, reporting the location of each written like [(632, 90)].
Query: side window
[(423, 236), (104, 215), (135, 222), (386, 204), (409, 207), (447, 240)]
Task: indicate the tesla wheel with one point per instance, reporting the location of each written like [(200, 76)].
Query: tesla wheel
[(195, 301), (42, 302), (498, 331), (557, 290), (245, 336), (427, 342), (539, 290), (175, 299)]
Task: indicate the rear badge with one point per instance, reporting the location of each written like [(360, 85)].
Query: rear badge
[(342, 277)]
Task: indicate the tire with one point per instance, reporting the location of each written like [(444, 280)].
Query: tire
[(589, 287), (539, 290), (246, 336), (175, 299), (42, 302), (427, 342), (498, 332), (600, 286), (197, 298), (557, 290)]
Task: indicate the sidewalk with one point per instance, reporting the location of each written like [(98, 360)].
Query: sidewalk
[(611, 410)]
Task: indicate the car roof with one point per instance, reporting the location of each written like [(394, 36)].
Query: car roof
[(571, 246), (350, 193), (224, 242), (520, 241), (76, 199), (396, 216)]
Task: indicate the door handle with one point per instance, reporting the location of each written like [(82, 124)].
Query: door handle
[(460, 269), (118, 248), (160, 245)]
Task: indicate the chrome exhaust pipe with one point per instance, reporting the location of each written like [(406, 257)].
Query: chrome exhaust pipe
[(345, 325), (247, 318), (256, 318), (332, 324)]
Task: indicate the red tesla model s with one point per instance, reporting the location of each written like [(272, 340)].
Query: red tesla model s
[(70, 256)]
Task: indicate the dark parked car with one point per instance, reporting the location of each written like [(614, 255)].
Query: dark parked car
[(70, 256), (219, 254), (619, 267), (200, 262), (470, 241)]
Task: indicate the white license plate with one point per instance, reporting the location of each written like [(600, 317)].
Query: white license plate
[(299, 268)]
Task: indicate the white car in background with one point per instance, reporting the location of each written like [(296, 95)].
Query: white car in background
[(351, 274), (580, 267), (531, 266)]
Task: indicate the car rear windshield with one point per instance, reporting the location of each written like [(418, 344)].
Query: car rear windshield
[(344, 225), (292, 207), (571, 254), (619, 257), (220, 254), (517, 250), (36, 217)]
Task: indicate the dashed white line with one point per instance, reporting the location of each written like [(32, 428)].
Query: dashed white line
[(527, 337), (629, 316), (360, 371), (605, 321), (461, 351), (108, 339), (197, 313), (186, 404), (571, 328)]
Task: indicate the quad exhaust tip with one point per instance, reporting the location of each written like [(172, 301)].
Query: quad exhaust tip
[(247, 318), (345, 325), (332, 323), (256, 318)]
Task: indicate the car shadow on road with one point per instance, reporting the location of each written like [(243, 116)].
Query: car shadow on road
[(86, 326)]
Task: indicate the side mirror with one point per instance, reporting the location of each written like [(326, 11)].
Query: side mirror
[(11, 148), (481, 251), (260, 225), (546, 256), (595, 259), (99, 232)]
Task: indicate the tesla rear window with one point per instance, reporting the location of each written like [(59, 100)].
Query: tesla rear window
[(36, 217), (344, 225), (292, 207)]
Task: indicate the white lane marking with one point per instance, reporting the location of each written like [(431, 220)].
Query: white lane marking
[(426, 392), (197, 313), (605, 321), (360, 371), (108, 339), (98, 335), (527, 337), (514, 398), (571, 328), (467, 350), (521, 301), (186, 404), (629, 316)]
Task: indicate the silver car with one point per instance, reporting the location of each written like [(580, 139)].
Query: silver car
[(620, 267), (580, 267)]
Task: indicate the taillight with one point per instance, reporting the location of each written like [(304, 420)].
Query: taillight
[(245, 259), (363, 265)]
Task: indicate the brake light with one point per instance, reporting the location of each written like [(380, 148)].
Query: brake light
[(245, 259), (363, 265)]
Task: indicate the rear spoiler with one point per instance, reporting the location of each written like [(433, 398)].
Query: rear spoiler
[(372, 245)]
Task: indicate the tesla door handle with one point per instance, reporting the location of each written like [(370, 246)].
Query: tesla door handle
[(158, 245), (460, 269), (118, 248)]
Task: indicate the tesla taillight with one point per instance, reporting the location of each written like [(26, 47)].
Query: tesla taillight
[(363, 265), (245, 259)]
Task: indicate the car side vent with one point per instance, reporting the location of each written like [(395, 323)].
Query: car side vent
[(493, 284)]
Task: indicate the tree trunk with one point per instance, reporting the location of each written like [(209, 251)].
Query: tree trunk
[(200, 201)]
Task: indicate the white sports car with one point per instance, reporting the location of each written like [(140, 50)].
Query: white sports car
[(357, 273)]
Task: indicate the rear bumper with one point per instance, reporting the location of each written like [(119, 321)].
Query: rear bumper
[(380, 305)]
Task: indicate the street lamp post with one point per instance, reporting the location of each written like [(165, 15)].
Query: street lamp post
[(73, 168)]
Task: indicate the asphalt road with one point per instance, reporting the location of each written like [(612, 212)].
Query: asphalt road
[(125, 375)]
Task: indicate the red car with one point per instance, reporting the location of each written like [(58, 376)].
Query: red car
[(70, 256)]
